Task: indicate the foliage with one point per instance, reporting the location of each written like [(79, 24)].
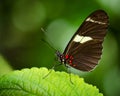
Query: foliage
[(32, 82)]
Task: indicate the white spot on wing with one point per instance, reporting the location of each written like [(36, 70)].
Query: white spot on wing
[(78, 38), (91, 20), (82, 39)]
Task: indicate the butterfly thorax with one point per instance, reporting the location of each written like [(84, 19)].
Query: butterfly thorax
[(64, 58)]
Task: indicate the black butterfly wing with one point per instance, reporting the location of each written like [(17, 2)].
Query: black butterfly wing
[(95, 25), (87, 53)]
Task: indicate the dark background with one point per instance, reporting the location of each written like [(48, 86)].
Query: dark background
[(22, 45)]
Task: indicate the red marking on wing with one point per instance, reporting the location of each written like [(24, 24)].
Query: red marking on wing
[(69, 59), (66, 56)]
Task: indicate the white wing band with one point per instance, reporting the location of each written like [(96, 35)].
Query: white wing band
[(82, 39)]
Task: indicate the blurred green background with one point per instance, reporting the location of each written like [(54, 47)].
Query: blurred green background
[(22, 45)]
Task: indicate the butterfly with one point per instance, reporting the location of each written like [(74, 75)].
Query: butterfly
[(84, 50)]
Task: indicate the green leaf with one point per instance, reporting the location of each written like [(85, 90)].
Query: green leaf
[(31, 82)]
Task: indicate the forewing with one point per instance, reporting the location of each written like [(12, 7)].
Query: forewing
[(86, 44), (94, 26)]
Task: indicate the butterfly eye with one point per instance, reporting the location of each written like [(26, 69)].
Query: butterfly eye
[(58, 54)]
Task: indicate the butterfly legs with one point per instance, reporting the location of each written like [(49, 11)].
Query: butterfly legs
[(55, 65), (69, 72), (51, 70)]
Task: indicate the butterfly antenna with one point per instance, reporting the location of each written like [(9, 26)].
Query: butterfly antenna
[(48, 44), (46, 41), (55, 65)]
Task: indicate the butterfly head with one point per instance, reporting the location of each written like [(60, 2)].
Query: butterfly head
[(60, 57), (64, 58)]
